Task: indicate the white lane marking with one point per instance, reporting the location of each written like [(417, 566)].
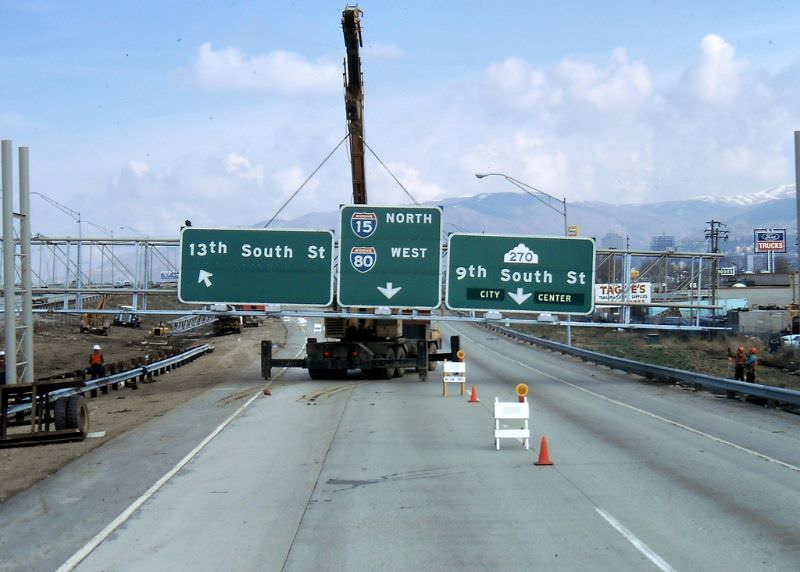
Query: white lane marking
[(662, 564), (741, 448), (95, 541)]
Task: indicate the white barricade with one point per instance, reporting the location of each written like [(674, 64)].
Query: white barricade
[(454, 372), (509, 410)]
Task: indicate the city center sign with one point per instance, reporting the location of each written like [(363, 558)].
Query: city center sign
[(520, 273)]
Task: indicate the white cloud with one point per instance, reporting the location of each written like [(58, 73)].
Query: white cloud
[(619, 85), (138, 168), (278, 71), (611, 131), (240, 166), (414, 181), (517, 81), (717, 76)]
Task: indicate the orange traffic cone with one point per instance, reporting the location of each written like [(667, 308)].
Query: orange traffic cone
[(473, 398), (544, 454)]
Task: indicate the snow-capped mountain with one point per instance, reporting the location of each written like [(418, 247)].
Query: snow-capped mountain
[(686, 220)]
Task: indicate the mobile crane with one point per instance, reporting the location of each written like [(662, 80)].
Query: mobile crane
[(379, 347)]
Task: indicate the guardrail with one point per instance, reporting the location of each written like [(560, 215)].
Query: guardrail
[(135, 375), (700, 380)]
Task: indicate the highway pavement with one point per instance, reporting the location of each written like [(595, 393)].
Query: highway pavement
[(359, 474)]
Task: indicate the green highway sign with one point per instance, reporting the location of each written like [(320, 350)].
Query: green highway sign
[(390, 256), (520, 273), (256, 266)]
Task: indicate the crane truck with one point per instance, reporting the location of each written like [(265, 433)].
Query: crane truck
[(379, 347)]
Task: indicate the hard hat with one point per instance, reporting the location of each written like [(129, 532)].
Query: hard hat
[(753, 351), (741, 349), (95, 347), (2, 353)]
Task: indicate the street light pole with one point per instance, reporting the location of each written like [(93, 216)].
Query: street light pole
[(549, 202)]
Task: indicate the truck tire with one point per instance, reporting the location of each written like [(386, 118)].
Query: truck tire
[(316, 373), (60, 413), (77, 414), (401, 354), (432, 349), (387, 372)]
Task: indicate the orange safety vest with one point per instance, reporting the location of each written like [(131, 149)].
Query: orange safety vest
[(96, 358)]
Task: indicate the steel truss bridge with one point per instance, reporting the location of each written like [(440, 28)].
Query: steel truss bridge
[(69, 272)]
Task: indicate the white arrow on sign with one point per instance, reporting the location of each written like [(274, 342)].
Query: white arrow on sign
[(388, 291), (519, 296), (204, 277)]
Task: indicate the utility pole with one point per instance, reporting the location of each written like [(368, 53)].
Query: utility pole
[(714, 232)]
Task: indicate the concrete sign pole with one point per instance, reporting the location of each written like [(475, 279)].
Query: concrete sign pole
[(8, 264), (797, 199)]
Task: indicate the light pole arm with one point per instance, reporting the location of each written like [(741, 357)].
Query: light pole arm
[(63, 208), (528, 188)]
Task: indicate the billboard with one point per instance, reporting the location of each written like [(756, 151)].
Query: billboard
[(769, 240), (615, 293)]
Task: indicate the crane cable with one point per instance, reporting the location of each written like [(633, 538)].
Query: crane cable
[(300, 188), (396, 180)]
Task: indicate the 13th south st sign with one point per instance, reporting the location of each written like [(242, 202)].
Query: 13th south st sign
[(520, 273), (256, 266), (390, 256)]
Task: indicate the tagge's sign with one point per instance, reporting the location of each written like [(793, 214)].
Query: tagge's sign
[(616, 294), (769, 240)]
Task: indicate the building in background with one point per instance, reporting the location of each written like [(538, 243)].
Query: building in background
[(662, 242), (613, 240)]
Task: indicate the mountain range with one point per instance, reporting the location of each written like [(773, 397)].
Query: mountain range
[(685, 220)]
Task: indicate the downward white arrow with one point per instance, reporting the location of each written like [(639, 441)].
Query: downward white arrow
[(204, 277), (519, 296), (388, 291)]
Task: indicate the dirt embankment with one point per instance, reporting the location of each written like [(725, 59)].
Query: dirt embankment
[(59, 347), (691, 352)]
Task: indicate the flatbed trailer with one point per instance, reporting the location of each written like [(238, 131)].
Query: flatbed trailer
[(381, 359)]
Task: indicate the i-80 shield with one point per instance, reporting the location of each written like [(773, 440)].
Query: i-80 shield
[(363, 258)]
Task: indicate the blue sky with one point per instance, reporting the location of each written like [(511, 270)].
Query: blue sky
[(145, 114)]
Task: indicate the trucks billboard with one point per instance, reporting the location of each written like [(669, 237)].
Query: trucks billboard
[(770, 240)]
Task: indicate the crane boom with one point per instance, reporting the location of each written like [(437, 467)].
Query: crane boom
[(354, 100)]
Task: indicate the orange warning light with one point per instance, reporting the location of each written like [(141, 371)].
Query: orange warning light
[(521, 389), (460, 355)]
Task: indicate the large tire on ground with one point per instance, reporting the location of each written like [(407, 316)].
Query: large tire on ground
[(317, 373), (387, 372), (77, 414), (60, 413), (432, 348), (401, 354)]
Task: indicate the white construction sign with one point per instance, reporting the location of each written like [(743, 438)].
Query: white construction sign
[(516, 413)]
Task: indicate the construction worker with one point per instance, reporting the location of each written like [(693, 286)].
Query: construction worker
[(750, 366), (739, 360), (96, 363)]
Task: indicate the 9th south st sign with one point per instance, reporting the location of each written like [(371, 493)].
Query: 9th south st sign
[(520, 273), (256, 266), (390, 256)]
